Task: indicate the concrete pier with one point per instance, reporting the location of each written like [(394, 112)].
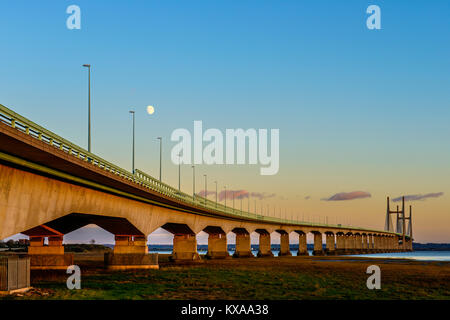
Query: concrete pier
[(243, 246), (184, 248), (130, 244), (302, 245), (365, 246), (358, 243), (217, 243), (330, 249), (340, 243), (47, 256), (349, 243), (130, 252), (265, 249), (217, 246), (285, 249), (318, 246)]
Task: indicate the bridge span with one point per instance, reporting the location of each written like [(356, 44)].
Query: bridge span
[(50, 187)]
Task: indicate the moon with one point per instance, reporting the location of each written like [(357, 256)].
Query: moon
[(150, 110)]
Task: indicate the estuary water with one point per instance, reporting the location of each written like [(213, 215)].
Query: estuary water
[(415, 255)]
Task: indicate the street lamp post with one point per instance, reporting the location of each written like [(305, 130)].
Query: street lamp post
[(160, 158), (179, 171), (193, 182), (206, 188), (241, 204), (216, 192), (233, 201), (89, 105), (132, 155), (225, 187)]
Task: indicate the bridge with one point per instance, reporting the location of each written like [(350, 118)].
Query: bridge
[(51, 187)]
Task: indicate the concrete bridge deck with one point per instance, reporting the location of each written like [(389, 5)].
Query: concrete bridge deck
[(50, 187)]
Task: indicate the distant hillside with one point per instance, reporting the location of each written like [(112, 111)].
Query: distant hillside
[(85, 248), (431, 246)]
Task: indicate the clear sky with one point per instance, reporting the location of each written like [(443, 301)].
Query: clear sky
[(358, 109)]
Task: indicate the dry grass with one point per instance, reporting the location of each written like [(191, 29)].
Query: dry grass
[(267, 278)]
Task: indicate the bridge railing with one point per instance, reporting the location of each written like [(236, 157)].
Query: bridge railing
[(156, 185), (32, 129)]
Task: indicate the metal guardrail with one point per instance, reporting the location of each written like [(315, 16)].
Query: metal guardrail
[(32, 129)]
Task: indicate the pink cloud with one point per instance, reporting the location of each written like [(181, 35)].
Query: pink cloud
[(230, 194), (202, 193), (419, 197), (262, 196), (237, 194), (348, 196)]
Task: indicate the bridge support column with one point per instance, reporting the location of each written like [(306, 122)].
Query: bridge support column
[(365, 247), (49, 256), (243, 246), (217, 246), (375, 243), (54, 246), (184, 242), (358, 243), (350, 244), (396, 244), (285, 249), (217, 243), (302, 245), (340, 243), (370, 243), (384, 244), (409, 244), (130, 245), (184, 248), (130, 252), (399, 246), (265, 249), (378, 243), (318, 247), (390, 244), (330, 245)]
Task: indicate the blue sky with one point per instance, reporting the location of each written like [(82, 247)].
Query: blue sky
[(357, 109)]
